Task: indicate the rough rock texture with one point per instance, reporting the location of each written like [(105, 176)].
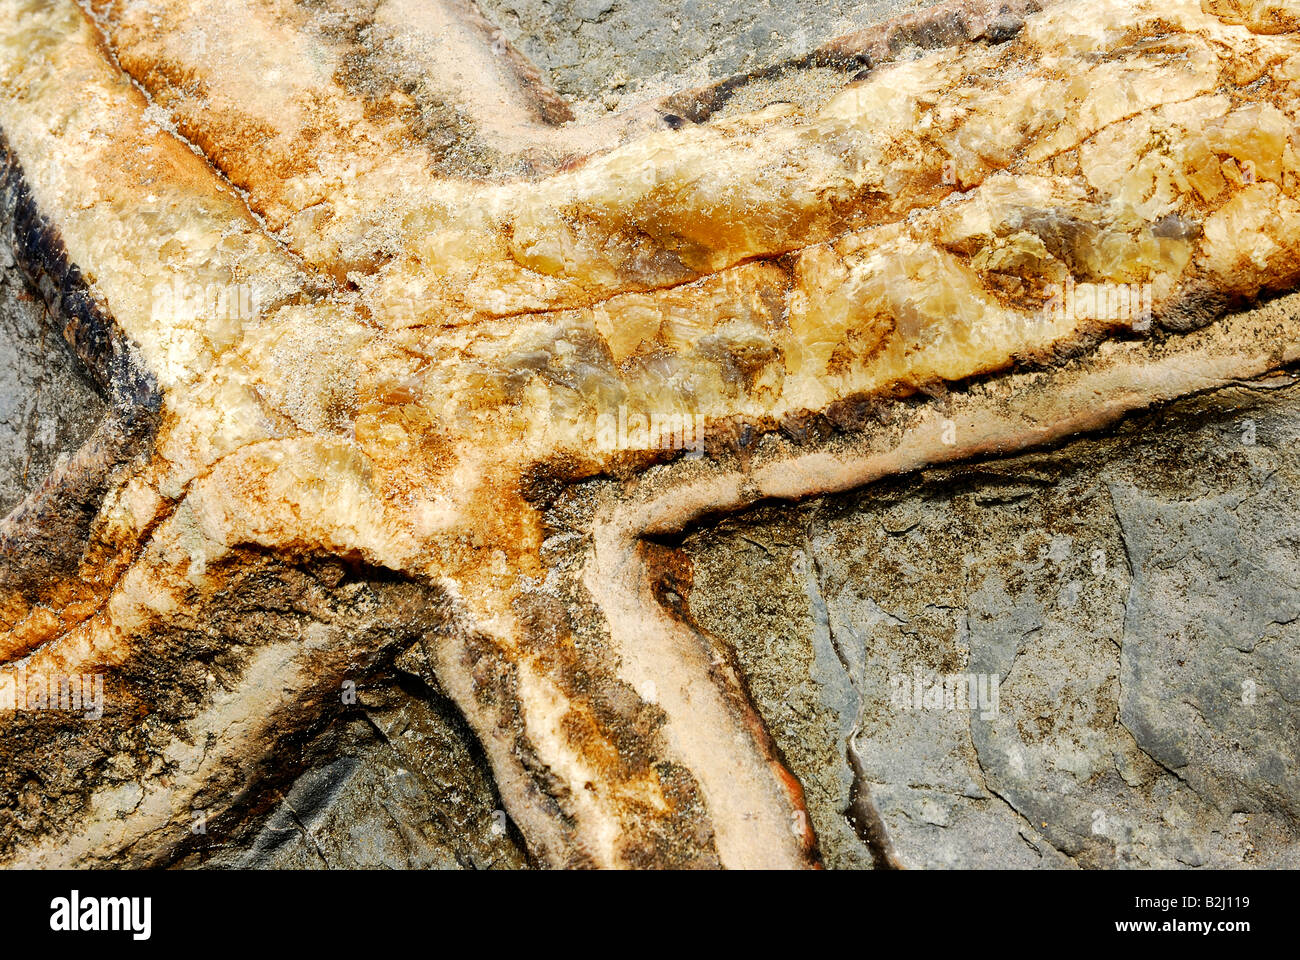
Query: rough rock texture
[(411, 376), (609, 50), (1135, 593), (403, 785), (47, 406)]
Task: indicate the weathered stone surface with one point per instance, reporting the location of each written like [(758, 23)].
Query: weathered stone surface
[(610, 51), (1135, 595), (405, 388), (47, 407), (402, 786)]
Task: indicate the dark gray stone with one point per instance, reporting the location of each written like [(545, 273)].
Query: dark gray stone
[(1135, 596)]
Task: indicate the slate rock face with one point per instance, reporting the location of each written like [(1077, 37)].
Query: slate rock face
[(1135, 597), (1211, 663)]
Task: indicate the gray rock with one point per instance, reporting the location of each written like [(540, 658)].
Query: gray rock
[(48, 407), (1133, 595), (1002, 29), (400, 786), (581, 45)]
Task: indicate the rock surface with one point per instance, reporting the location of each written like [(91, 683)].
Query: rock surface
[(607, 50), (403, 785), (382, 572), (47, 406), (1135, 594)]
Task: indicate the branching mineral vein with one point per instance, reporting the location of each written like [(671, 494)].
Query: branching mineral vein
[(362, 355)]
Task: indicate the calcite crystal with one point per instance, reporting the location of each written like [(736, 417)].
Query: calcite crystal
[(399, 360)]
